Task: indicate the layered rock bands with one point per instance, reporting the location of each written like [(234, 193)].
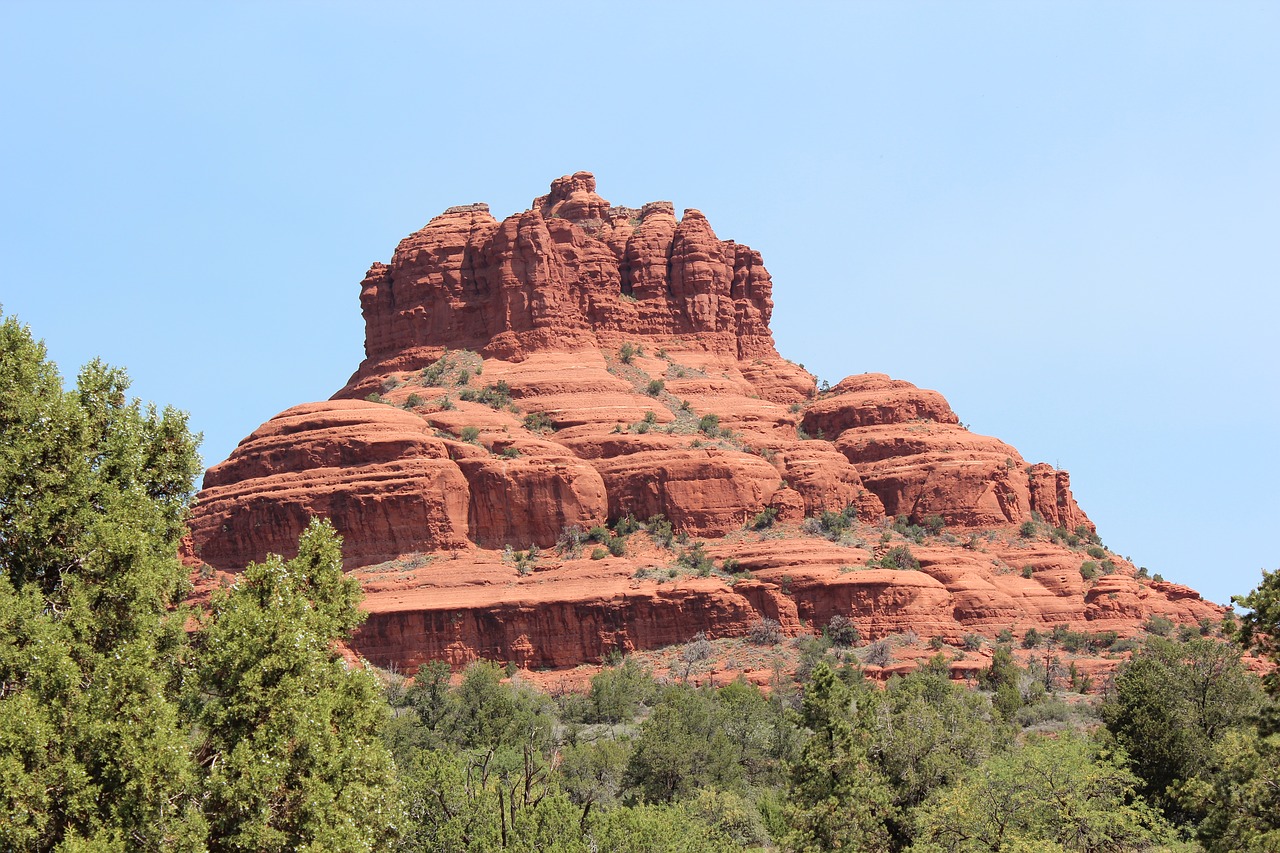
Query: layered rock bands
[(581, 363)]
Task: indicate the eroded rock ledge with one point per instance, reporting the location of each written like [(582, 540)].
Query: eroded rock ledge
[(581, 362)]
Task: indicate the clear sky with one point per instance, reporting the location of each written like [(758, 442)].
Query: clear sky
[(1063, 216)]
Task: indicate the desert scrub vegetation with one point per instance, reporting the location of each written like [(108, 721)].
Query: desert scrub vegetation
[(451, 369), (898, 557), (765, 518), (831, 525), (496, 396), (538, 422)]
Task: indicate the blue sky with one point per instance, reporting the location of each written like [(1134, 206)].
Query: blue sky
[(1063, 216)]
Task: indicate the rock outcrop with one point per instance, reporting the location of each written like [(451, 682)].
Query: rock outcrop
[(572, 273), (582, 364)]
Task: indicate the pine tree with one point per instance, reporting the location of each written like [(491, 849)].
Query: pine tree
[(838, 800)]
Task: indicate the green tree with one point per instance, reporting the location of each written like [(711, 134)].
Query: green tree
[(290, 733), (682, 746), (418, 712), (592, 772), (617, 692), (1170, 703), (926, 732), (458, 801), (656, 828), (837, 799), (1260, 625), (1050, 794), (1239, 794), (94, 490), (485, 714)]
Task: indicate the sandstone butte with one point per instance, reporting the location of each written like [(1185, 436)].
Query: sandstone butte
[(555, 370)]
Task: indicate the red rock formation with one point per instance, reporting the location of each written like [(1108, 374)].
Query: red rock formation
[(564, 276), (581, 362)]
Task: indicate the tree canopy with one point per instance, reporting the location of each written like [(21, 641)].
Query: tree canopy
[(119, 730), (131, 721)]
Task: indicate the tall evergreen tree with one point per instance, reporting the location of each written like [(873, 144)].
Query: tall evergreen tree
[(838, 799), (93, 494), (290, 732)]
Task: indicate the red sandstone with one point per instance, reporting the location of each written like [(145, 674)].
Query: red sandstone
[(613, 331)]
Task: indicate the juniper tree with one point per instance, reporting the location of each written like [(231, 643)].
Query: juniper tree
[(94, 489)]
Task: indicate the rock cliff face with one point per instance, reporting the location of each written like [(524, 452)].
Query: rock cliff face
[(572, 273), (581, 363)]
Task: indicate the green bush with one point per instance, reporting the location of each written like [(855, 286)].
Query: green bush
[(831, 525), (1088, 570), (1048, 711), (841, 631), (1087, 535), (661, 530), (626, 525), (903, 526), (765, 518), (654, 388), (899, 557), (497, 396), (1028, 529), (538, 422), (469, 434), (1125, 644), (696, 560), (709, 425), (616, 545)]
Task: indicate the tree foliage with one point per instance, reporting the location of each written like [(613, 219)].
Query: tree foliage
[(838, 799), (290, 734), (93, 494), (1051, 794), (1170, 703), (117, 732), (1260, 625)]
